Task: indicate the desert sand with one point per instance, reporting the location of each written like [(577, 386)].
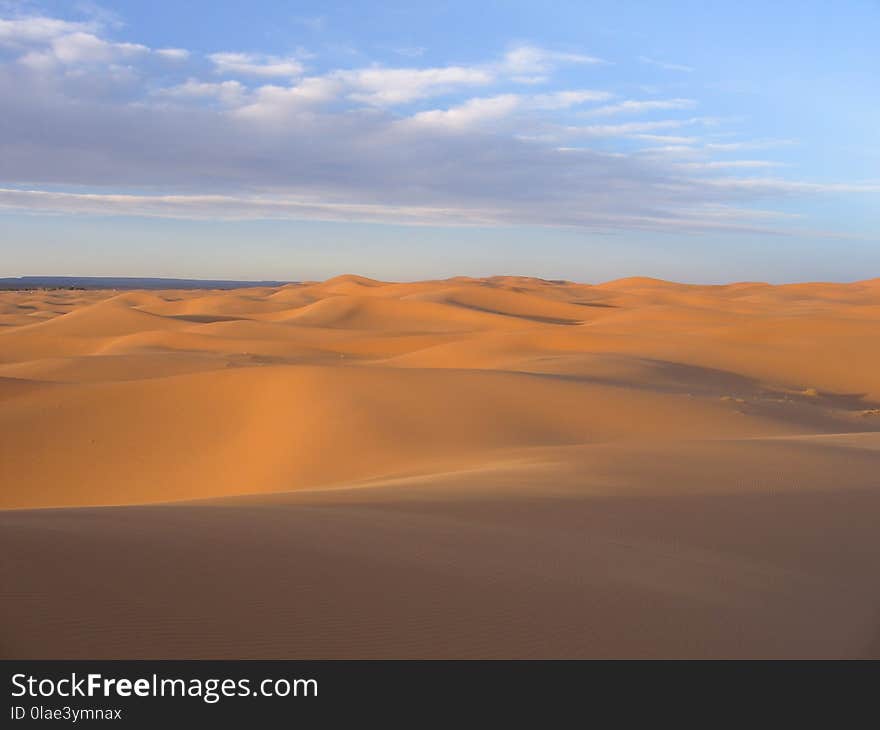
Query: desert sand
[(501, 468)]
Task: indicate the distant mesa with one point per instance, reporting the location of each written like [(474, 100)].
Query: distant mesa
[(126, 282)]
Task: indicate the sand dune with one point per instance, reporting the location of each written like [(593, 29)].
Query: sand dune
[(504, 467)]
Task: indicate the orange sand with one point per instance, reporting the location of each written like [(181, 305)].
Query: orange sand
[(505, 467)]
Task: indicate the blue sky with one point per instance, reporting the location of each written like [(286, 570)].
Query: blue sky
[(584, 140)]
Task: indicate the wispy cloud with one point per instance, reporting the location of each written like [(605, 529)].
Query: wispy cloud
[(774, 186), (228, 92), (235, 207), (758, 144), (382, 86), (315, 23), (410, 51), (705, 217), (528, 59), (640, 107), (49, 42), (665, 65), (20, 32), (280, 104), (173, 54), (255, 64), (480, 110), (667, 139), (724, 164), (630, 129), (472, 112)]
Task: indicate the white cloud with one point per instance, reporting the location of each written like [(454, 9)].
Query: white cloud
[(382, 86), (46, 42), (173, 54), (255, 64), (472, 112), (485, 109), (758, 144), (722, 164), (272, 103), (633, 128), (639, 107), (773, 186), (227, 92), (526, 60), (25, 31), (87, 48), (701, 217), (667, 139), (566, 99), (236, 207), (677, 150)]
